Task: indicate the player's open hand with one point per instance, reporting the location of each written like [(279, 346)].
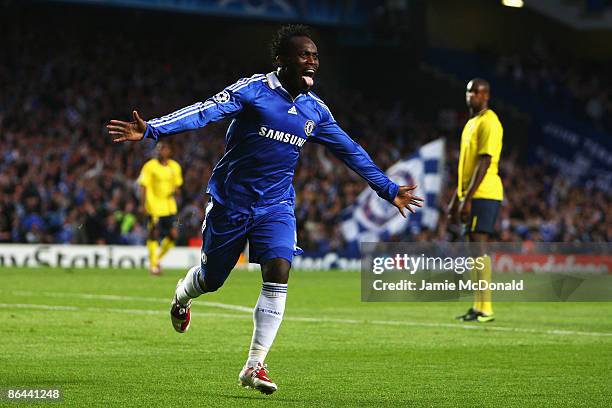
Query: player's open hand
[(405, 199), (127, 131)]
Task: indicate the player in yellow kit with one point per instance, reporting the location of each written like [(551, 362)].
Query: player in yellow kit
[(480, 191), (160, 179)]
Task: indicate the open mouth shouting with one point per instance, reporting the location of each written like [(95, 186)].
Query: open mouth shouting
[(308, 77)]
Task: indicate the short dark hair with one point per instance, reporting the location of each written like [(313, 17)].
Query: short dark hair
[(479, 82), (281, 40), (160, 143)]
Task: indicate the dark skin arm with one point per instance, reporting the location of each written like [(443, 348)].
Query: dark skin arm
[(143, 195), (453, 207), (174, 232), (465, 207)]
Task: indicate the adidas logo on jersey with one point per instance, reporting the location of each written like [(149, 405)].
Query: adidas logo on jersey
[(292, 110)]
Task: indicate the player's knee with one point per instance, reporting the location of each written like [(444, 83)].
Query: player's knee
[(479, 237), (173, 234), (276, 270), (209, 284), (153, 234)]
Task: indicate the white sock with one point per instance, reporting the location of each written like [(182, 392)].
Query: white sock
[(190, 287), (267, 317)]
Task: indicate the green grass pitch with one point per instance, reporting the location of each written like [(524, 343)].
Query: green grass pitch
[(104, 337)]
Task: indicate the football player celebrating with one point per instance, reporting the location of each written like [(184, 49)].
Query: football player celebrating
[(250, 190)]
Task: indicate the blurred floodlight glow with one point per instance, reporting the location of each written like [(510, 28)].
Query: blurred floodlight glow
[(513, 3)]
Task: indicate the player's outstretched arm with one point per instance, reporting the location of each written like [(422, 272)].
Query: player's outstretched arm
[(346, 149), (225, 104), (127, 131), (405, 199)]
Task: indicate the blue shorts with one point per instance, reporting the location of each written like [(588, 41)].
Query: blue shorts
[(163, 224), (484, 215), (270, 231)]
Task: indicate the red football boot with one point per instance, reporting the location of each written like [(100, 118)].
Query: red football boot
[(257, 378), (180, 314)]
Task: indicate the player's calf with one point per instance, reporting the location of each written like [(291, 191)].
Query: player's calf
[(187, 289), (180, 313)]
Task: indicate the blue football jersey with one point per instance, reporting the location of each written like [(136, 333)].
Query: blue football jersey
[(264, 139)]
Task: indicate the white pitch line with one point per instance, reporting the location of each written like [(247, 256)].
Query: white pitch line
[(128, 298), (42, 307), (316, 320), (493, 328), (447, 325), (110, 310)]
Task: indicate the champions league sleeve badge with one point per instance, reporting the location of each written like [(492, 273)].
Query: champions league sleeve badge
[(222, 97)]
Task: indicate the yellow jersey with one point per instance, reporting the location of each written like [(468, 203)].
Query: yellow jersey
[(160, 183), (482, 134)]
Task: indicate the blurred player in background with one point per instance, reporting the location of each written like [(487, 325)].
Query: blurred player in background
[(480, 192), (252, 196), (159, 180)]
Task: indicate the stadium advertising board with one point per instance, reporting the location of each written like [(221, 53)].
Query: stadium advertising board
[(91, 256)]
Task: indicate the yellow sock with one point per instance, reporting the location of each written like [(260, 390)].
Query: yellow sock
[(166, 245), (477, 303), (486, 306), (152, 246)]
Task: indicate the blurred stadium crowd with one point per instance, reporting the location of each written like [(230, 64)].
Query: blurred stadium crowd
[(63, 181), (580, 88)]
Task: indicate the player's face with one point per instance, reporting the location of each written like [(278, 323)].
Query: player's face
[(301, 62), (163, 151), (475, 96)]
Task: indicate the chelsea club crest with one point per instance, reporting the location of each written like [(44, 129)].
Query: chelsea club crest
[(309, 127)]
